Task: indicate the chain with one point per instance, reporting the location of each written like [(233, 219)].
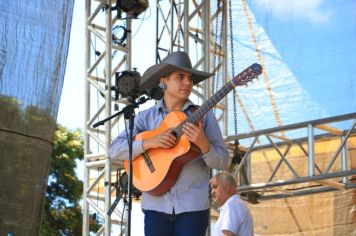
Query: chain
[(233, 68), (179, 27), (215, 78)]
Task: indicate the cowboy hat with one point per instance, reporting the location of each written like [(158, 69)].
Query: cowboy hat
[(174, 61)]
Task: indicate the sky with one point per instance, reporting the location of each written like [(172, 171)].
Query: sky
[(71, 107), (307, 48), (308, 52)]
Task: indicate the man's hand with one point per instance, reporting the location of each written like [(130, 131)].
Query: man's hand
[(162, 140), (196, 135)]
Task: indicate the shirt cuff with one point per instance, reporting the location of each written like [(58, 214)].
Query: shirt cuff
[(209, 154), (137, 148)]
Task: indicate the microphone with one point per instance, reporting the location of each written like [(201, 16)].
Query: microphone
[(127, 83), (157, 92)]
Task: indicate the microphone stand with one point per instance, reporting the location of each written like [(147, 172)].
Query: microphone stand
[(129, 114)]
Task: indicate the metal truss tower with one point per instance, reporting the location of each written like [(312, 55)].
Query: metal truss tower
[(181, 25), (199, 29), (104, 55)]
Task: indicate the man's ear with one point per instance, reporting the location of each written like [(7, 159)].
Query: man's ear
[(226, 186)]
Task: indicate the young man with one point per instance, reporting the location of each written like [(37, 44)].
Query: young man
[(234, 217), (184, 208)]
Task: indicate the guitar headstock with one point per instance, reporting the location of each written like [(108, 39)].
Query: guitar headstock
[(248, 75), (243, 78)]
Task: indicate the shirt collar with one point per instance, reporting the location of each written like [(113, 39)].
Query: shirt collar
[(231, 198), (160, 105)]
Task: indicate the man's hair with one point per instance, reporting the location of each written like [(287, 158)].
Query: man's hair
[(226, 177)]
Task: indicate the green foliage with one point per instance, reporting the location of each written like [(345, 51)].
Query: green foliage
[(26, 134), (62, 211), (26, 144)]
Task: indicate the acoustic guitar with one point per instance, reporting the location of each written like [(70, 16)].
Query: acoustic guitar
[(156, 170)]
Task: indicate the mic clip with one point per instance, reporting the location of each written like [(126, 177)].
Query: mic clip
[(157, 92)]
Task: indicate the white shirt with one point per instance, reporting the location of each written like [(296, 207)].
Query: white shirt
[(235, 217)]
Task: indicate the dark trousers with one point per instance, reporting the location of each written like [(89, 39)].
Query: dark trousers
[(184, 224)]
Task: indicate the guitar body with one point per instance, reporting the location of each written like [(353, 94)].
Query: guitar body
[(167, 163)]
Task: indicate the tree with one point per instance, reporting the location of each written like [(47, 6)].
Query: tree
[(62, 212), (26, 144)]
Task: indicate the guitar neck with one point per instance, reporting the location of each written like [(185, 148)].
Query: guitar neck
[(241, 79), (211, 102)]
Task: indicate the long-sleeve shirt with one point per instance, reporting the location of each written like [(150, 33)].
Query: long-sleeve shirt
[(191, 190)]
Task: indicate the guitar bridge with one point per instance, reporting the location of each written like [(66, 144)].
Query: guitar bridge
[(148, 162)]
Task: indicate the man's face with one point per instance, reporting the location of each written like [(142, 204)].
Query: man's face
[(179, 84), (219, 191)]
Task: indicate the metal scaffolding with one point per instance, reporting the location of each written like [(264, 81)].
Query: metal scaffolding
[(201, 30), (104, 56), (270, 167), (178, 23)]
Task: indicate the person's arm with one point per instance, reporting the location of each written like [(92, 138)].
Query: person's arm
[(119, 148), (217, 157)]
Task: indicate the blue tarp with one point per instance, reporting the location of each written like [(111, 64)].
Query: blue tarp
[(308, 52)]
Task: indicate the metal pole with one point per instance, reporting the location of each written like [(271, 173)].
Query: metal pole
[(85, 226), (311, 150), (108, 76), (344, 159)]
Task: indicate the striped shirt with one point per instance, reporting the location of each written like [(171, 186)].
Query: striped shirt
[(191, 190)]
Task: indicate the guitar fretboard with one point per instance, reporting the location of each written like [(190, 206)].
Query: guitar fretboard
[(241, 79)]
